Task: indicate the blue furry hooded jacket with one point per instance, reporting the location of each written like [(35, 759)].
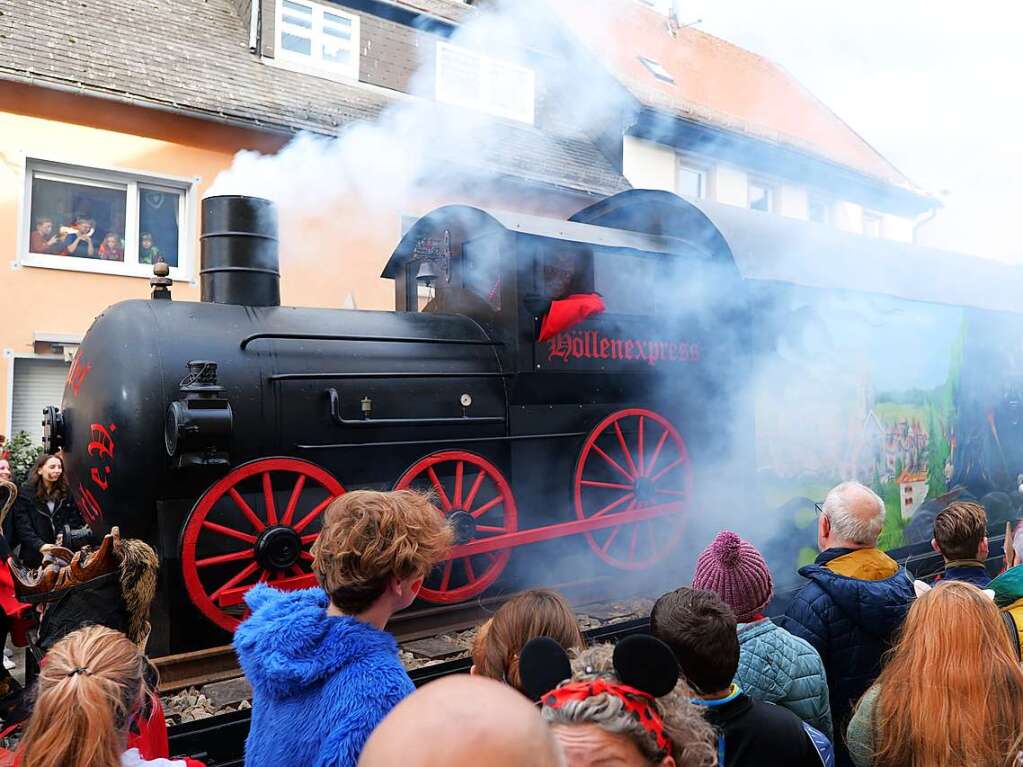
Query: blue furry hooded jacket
[(320, 683)]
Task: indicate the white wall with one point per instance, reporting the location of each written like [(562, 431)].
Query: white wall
[(848, 216), (648, 165), (897, 228), (731, 185), (793, 201)]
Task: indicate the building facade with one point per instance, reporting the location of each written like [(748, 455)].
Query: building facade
[(111, 136)]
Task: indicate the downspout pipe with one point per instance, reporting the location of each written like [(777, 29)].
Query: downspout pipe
[(255, 11)]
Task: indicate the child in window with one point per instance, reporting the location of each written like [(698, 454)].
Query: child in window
[(111, 249), (42, 239), (78, 239), (148, 252)]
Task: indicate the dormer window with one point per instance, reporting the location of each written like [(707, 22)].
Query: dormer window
[(474, 81), (319, 38)]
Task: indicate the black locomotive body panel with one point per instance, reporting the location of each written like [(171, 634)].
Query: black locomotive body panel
[(219, 430)]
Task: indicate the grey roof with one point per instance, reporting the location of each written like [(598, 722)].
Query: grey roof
[(191, 57), (779, 249)]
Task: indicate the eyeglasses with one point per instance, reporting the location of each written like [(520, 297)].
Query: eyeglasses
[(819, 506)]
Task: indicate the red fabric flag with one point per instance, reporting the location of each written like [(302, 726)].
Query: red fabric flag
[(569, 312)]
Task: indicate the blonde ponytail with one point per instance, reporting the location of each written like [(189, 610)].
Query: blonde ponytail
[(90, 686)]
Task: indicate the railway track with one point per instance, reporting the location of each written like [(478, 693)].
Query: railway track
[(219, 741), (194, 669)]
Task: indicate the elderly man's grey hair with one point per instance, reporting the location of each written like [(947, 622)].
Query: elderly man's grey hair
[(856, 513), (693, 739)]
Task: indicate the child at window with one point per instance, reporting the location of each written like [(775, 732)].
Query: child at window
[(148, 252), (111, 249), (78, 239), (43, 240)]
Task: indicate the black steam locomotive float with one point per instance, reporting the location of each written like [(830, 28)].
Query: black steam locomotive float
[(219, 431)]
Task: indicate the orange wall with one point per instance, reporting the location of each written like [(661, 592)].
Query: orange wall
[(322, 262)]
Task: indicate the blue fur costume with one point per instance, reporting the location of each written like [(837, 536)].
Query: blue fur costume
[(320, 683)]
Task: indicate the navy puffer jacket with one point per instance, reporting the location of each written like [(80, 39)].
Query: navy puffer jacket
[(849, 611)]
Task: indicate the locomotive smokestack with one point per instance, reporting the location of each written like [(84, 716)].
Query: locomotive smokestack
[(239, 251)]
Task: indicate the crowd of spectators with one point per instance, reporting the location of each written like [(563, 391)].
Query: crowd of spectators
[(865, 667)]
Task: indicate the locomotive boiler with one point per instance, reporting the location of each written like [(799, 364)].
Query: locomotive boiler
[(220, 430)]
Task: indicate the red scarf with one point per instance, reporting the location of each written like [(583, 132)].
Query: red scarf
[(641, 705)]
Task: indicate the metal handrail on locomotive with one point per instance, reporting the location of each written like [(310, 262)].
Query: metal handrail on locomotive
[(220, 431)]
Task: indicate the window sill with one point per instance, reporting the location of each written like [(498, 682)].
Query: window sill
[(91, 266), (346, 76)]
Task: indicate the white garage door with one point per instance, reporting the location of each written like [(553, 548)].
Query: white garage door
[(37, 383)]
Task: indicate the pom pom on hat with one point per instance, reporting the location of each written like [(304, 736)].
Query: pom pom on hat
[(735, 571)]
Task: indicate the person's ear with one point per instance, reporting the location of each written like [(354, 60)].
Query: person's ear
[(668, 761), (934, 545), (983, 550), (473, 671), (416, 585)]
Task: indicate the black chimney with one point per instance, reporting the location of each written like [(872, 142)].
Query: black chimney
[(239, 251)]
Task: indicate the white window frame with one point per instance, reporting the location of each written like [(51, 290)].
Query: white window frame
[(484, 103), (873, 216), (687, 163), (772, 193), (314, 63), (109, 177), (829, 209)]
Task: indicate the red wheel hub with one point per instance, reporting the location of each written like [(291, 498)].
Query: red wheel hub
[(237, 535), (478, 503), (631, 460)]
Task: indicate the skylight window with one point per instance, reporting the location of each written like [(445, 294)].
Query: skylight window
[(657, 70)]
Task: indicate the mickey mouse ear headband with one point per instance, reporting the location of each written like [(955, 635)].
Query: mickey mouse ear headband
[(641, 662), (645, 666)]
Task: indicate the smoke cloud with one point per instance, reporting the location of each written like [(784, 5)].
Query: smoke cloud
[(837, 378), (418, 145), (928, 84)]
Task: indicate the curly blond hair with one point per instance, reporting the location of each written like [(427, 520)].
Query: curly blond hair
[(693, 740), (369, 537)]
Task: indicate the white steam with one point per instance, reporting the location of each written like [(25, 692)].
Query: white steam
[(931, 85), (417, 145)]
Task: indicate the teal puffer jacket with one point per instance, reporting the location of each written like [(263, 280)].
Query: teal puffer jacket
[(777, 667)]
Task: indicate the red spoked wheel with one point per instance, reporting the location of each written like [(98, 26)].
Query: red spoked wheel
[(478, 504), (634, 459), (254, 525)]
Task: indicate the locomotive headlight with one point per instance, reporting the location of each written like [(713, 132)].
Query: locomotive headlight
[(466, 400), (197, 428)]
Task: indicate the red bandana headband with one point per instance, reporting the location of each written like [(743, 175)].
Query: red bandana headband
[(641, 705)]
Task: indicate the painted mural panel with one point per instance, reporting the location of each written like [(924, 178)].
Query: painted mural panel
[(919, 401)]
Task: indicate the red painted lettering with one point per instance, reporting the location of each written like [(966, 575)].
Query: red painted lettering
[(99, 481), (78, 373), (604, 344), (101, 442), (88, 505)]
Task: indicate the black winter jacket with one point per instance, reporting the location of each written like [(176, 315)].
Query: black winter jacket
[(752, 734), (849, 611), (35, 525)]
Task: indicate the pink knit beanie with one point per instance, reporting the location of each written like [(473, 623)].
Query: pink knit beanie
[(735, 570)]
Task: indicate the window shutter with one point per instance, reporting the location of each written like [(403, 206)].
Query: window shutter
[(37, 383)]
